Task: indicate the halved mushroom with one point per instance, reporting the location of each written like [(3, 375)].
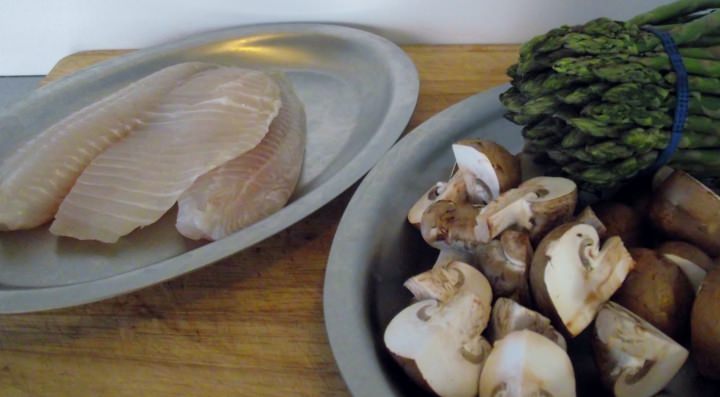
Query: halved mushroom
[(451, 255), (444, 282), (658, 291), (509, 316), (487, 168), (505, 262), (635, 359), (452, 190), (621, 220), (689, 258), (450, 225), (705, 326), (525, 363), (484, 170), (589, 217), (441, 345), (683, 208), (571, 276), (537, 205)]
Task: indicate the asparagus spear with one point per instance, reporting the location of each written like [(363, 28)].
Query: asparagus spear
[(642, 139), (673, 10)]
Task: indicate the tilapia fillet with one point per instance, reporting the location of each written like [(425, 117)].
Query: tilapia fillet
[(252, 186), (35, 178), (213, 117)]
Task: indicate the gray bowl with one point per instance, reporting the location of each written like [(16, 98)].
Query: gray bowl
[(375, 250)]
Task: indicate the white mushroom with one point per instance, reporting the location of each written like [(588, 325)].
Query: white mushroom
[(525, 363), (509, 316), (444, 282), (488, 168), (441, 345), (505, 262), (537, 205), (689, 258), (635, 359), (484, 169), (571, 276)]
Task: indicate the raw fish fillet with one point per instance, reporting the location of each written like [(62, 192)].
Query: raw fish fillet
[(212, 118), (35, 178), (252, 186)]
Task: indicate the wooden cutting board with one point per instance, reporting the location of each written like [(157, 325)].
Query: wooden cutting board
[(251, 325)]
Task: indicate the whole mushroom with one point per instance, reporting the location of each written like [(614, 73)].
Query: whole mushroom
[(635, 359), (705, 326), (440, 345), (689, 258), (505, 262), (509, 316), (571, 276), (685, 209), (525, 363), (658, 291), (621, 220)]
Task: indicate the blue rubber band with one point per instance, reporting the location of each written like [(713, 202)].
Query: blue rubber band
[(682, 96)]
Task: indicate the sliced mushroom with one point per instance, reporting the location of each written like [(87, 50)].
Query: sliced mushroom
[(509, 316), (450, 225), (658, 291), (635, 359), (452, 190), (505, 262), (571, 276), (705, 326), (441, 345), (689, 258), (589, 217), (444, 282), (488, 168), (537, 205), (525, 363), (621, 220), (451, 255), (685, 209)]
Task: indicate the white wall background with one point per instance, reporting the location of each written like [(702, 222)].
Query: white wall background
[(34, 34)]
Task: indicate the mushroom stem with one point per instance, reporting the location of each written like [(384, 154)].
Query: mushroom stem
[(443, 282)]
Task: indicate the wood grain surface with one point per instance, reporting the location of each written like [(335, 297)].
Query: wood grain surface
[(250, 325)]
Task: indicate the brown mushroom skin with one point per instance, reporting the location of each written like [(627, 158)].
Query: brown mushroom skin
[(448, 224), (658, 291), (686, 251), (621, 220), (589, 217), (685, 209), (506, 166), (705, 327), (495, 261)]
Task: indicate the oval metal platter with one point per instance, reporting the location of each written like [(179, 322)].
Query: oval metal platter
[(375, 250), (359, 91)]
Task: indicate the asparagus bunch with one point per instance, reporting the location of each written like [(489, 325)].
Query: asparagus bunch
[(597, 100)]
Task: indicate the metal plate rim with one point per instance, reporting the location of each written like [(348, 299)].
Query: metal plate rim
[(402, 72)]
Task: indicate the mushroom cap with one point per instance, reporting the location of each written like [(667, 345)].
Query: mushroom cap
[(635, 359), (443, 282), (448, 224), (685, 209), (505, 262), (488, 167), (589, 217), (444, 341), (571, 276), (620, 220), (509, 316), (690, 259), (657, 291), (705, 327), (525, 363), (537, 205)]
